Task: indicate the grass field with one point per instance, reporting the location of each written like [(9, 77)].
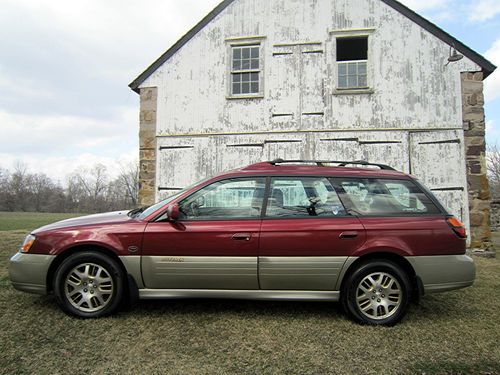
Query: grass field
[(451, 333)]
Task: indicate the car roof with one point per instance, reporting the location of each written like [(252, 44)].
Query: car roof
[(320, 169)]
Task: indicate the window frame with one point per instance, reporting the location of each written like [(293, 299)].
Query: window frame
[(232, 43), (352, 33)]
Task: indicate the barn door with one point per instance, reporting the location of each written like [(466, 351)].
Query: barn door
[(239, 151), (312, 73), (183, 161), (297, 86), (437, 158)]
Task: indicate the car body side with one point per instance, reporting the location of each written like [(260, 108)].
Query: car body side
[(436, 262)]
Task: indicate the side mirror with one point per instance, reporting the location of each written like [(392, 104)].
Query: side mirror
[(173, 212)]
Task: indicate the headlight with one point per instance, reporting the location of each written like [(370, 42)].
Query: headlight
[(28, 243)]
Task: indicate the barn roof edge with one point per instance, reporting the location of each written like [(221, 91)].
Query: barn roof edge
[(486, 66)]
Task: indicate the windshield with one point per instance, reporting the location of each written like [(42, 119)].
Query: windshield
[(148, 211)]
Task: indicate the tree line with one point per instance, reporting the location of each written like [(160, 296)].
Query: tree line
[(87, 190), (92, 190), (493, 163)]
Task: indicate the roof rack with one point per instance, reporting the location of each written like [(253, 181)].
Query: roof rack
[(322, 163)]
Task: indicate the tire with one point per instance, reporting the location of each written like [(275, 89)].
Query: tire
[(376, 293), (89, 285)]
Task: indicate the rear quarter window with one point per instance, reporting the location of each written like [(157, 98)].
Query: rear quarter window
[(373, 197)]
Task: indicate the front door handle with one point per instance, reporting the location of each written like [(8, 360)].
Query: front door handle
[(242, 237), (348, 235)]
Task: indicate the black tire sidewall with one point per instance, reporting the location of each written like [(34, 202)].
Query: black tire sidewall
[(350, 288), (111, 266)]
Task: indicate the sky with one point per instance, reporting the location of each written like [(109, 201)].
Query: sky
[(65, 67)]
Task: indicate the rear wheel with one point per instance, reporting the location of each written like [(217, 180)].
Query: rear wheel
[(89, 285), (376, 292)]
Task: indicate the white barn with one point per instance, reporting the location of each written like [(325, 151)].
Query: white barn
[(318, 79)]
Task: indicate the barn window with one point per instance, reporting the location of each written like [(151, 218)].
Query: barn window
[(352, 58), (245, 70)]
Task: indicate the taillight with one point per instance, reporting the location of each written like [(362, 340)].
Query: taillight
[(457, 226)]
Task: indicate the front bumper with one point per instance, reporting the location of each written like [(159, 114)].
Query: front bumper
[(442, 273), (28, 272)]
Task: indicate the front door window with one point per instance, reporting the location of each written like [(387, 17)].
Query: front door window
[(227, 199)]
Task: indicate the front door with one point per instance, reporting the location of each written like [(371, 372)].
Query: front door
[(306, 235), (214, 245)]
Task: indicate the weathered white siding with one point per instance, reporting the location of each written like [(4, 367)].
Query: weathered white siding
[(412, 120)]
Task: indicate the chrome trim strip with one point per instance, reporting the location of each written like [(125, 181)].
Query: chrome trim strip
[(132, 264), (288, 295), (441, 273)]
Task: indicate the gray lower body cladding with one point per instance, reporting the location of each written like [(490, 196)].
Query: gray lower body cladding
[(291, 278)]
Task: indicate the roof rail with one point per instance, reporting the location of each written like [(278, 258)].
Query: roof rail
[(322, 163)]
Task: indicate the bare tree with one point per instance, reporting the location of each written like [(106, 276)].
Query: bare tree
[(493, 163), (88, 187), (87, 190), (19, 188), (41, 189), (129, 181), (4, 188)]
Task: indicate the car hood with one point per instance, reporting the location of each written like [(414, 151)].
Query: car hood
[(105, 218)]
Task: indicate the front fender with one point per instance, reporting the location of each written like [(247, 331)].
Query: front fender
[(121, 240)]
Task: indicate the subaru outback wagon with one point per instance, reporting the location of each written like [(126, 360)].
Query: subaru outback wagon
[(370, 237)]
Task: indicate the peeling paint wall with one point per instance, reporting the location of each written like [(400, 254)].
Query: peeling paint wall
[(412, 118)]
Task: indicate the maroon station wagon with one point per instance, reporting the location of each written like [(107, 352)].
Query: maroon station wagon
[(370, 237)]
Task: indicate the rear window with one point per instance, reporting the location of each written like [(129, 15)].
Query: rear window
[(384, 197)]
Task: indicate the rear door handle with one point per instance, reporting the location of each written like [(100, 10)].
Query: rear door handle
[(348, 235), (242, 237)]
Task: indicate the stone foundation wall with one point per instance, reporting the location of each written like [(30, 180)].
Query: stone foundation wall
[(495, 216), (475, 150), (147, 146)]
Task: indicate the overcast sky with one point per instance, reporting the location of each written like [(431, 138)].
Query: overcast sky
[(65, 67)]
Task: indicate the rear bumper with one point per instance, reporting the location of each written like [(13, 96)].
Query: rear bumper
[(444, 272), (28, 272)]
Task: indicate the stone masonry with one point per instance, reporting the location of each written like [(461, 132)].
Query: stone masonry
[(147, 146), (475, 150)]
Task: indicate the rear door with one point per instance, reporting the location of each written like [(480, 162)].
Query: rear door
[(306, 235)]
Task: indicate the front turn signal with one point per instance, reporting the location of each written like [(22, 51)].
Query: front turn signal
[(28, 243), (457, 226)]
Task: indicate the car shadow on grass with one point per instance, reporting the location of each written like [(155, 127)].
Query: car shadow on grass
[(429, 308), (237, 307)]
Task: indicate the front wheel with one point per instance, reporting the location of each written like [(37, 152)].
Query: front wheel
[(376, 292), (89, 285)]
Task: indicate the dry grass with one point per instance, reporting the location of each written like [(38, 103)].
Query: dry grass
[(451, 333)]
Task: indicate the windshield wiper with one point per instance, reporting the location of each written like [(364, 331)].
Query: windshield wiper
[(136, 211)]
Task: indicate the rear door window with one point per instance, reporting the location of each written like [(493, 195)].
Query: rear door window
[(303, 197), (384, 197)]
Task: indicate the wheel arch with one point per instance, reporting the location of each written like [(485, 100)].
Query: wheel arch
[(388, 256), (78, 249)]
